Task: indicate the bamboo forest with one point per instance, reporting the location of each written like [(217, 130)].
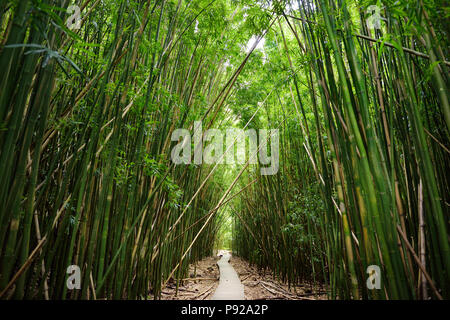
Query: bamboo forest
[(143, 140)]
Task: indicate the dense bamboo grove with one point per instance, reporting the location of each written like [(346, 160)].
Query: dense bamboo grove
[(369, 132), (86, 177), (86, 117)]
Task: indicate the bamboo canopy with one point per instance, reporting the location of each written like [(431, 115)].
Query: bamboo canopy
[(92, 91)]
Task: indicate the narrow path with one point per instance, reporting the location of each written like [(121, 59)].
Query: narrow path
[(230, 286)]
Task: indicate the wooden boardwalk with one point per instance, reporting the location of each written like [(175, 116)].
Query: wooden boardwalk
[(230, 286)]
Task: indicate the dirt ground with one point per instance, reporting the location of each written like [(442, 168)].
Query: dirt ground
[(201, 284), (204, 279), (259, 285)]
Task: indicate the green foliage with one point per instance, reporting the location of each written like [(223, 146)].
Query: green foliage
[(86, 118)]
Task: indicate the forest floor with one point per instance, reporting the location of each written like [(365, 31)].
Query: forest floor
[(258, 285), (201, 284)]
